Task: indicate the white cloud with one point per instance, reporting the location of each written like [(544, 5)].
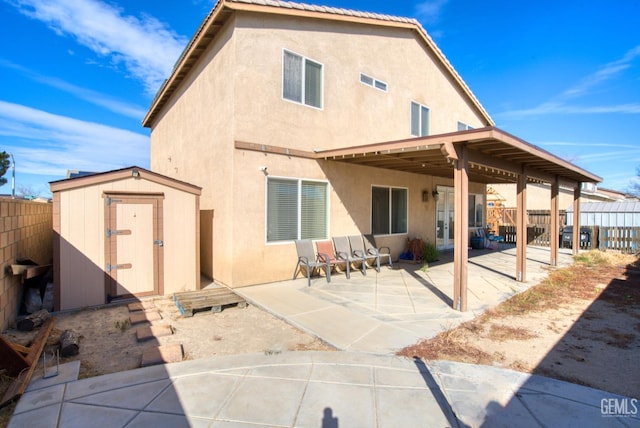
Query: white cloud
[(607, 72), (103, 100), (429, 11), (147, 47), (593, 145), (559, 107), (561, 103), (48, 144)]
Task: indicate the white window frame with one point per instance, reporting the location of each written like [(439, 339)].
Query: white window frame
[(420, 108), (374, 83), (303, 80), (390, 189), (463, 126), (299, 182)]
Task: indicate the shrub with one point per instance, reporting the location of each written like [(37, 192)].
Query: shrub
[(429, 252)]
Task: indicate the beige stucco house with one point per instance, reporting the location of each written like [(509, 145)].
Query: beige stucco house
[(304, 121)]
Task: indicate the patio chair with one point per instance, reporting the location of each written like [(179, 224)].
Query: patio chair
[(307, 258), (357, 248), (344, 253), (327, 254), (371, 248)]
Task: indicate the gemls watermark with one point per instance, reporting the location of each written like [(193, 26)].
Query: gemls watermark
[(619, 407)]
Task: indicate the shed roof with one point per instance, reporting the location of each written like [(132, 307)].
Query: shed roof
[(608, 207), (120, 174), (224, 9)]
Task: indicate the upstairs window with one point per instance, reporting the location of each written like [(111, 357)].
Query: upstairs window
[(370, 81), (419, 120), (301, 80), (463, 126)]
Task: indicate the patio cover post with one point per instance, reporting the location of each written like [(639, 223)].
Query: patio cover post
[(521, 228), (576, 219), (554, 239), (461, 232)]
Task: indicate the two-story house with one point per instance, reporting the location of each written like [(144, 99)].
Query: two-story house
[(303, 121)]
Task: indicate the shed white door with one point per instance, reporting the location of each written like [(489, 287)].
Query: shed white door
[(133, 240)]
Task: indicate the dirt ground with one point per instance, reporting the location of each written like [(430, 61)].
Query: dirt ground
[(581, 325), (108, 342)]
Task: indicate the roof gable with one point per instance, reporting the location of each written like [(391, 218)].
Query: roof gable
[(224, 9), (121, 174)]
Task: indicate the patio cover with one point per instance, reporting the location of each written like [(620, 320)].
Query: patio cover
[(484, 155)]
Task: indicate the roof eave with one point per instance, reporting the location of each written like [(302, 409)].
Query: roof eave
[(188, 51)]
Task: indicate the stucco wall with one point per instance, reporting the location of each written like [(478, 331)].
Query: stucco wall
[(256, 261), (82, 239), (192, 141), (25, 232), (353, 113)]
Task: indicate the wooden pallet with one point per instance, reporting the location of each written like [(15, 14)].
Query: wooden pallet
[(189, 302)]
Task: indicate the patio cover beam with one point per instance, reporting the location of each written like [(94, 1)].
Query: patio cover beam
[(461, 233), (488, 147), (576, 220), (521, 228), (554, 240)]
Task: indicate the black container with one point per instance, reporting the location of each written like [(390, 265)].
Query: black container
[(567, 237)]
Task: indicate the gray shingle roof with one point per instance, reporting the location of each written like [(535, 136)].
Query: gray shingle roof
[(328, 9), (608, 207)]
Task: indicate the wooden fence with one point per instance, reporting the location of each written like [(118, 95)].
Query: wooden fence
[(536, 235), (623, 239), (541, 218), (538, 225)]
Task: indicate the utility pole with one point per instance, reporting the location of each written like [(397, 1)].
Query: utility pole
[(13, 177)]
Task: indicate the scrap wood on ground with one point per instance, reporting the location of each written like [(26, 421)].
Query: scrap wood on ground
[(20, 361)]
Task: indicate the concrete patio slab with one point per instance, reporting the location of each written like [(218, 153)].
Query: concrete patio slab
[(300, 389), (67, 372), (385, 311)]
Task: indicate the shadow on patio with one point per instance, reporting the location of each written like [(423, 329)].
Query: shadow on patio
[(384, 312)]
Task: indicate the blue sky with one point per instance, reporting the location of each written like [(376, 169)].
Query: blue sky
[(77, 76)]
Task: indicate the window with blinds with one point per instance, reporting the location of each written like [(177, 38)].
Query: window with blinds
[(419, 120), (389, 211), (296, 209), (301, 80)]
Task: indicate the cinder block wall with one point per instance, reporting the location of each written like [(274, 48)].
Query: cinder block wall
[(26, 231)]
